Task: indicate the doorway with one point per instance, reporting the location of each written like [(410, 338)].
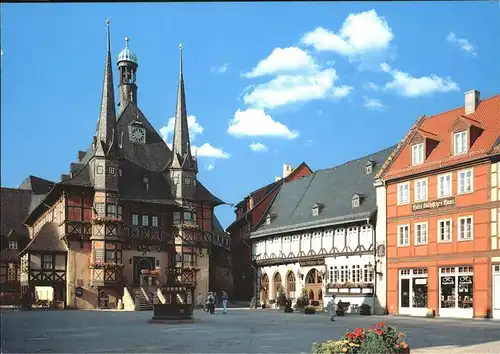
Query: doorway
[(413, 292), (496, 291), (140, 264)]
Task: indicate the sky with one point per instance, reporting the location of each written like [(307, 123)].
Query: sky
[(267, 84)]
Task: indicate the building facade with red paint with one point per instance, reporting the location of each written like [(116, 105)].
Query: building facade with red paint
[(442, 208), (249, 212)]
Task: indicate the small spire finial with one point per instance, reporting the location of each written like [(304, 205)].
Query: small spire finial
[(109, 35), (126, 41), (180, 46)]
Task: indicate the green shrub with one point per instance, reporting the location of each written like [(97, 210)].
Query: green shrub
[(281, 298), (303, 299), (365, 309)]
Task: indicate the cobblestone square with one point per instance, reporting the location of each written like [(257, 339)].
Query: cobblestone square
[(240, 331)]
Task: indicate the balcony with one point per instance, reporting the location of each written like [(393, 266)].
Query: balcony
[(105, 276)]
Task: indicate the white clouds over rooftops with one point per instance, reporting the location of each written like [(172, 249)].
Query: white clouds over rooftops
[(360, 34), (406, 85), (195, 129), (287, 89), (255, 122), (373, 104), (283, 60), (462, 43)]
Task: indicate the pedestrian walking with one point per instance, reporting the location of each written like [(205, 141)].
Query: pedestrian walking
[(224, 300), (210, 303), (332, 309)]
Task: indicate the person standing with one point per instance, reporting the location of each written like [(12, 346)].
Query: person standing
[(331, 308), (224, 300)]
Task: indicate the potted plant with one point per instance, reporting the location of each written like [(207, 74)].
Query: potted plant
[(365, 310), (281, 298), (340, 311), (309, 310)]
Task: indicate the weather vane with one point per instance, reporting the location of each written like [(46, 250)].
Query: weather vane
[(107, 21), (180, 46)]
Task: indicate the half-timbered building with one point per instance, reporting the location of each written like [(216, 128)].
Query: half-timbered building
[(249, 213), (318, 235), (105, 232)]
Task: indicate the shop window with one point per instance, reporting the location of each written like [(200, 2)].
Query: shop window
[(456, 287), (413, 288)]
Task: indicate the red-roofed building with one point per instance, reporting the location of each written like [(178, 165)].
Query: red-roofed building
[(443, 214), (249, 213)]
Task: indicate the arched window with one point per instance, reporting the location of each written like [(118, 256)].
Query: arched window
[(313, 277), (264, 286), (320, 295), (277, 282), (311, 295), (290, 278)]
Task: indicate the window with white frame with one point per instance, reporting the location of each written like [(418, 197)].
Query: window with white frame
[(403, 193), (13, 245), (421, 233), (444, 185), (145, 220), (333, 274), (111, 210), (417, 154), (465, 181), (344, 273), (154, 221), (356, 273), (444, 230), (367, 274), (460, 143), (48, 261), (176, 217), (403, 235), (135, 219), (421, 190), (465, 228)]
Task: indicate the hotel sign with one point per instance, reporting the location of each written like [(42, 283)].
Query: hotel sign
[(435, 204), (312, 262)]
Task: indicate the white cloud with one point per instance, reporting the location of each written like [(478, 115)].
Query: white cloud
[(283, 60), (371, 86), (207, 150), (210, 166), (342, 91), (287, 89), (361, 34), (220, 69), (258, 147), (255, 122), (406, 85), (194, 128), (463, 43), (373, 104)]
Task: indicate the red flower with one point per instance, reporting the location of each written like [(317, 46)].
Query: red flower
[(381, 324), (379, 332)]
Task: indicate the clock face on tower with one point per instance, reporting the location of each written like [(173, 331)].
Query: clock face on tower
[(138, 135)]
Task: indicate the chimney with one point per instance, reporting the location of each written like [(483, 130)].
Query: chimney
[(287, 169), (471, 101), (81, 155)]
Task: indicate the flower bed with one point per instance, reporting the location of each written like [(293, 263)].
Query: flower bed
[(104, 265), (106, 220), (379, 338)]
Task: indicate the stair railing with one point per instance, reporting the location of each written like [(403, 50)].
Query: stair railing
[(144, 286)]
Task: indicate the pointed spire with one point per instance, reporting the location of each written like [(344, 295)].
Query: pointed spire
[(107, 118), (181, 144)]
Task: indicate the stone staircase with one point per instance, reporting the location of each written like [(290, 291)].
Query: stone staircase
[(142, 300)]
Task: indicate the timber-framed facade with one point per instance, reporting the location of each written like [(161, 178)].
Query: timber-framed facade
[(107, 232)]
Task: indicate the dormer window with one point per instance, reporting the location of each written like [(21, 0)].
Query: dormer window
[(356, 200), (460, 143), (417, 154), (316, 209), (369, 167), (13, 245), (269, 218)]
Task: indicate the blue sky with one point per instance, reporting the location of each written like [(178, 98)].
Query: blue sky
[(317, 82)]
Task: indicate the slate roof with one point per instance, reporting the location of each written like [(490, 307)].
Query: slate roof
[(137, 160), (47, 240), (486, 116), (15, 204), (333, 188), (37, 185)]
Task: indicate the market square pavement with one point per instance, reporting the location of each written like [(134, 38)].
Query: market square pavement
[(240, 331)]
